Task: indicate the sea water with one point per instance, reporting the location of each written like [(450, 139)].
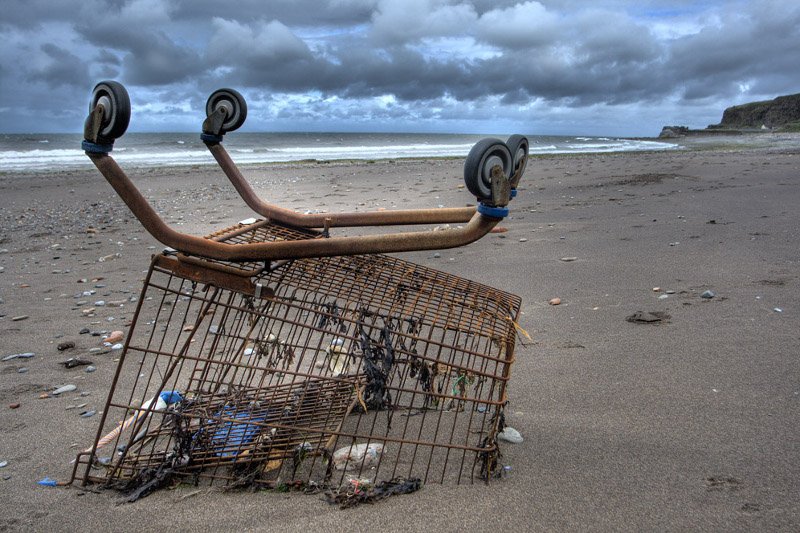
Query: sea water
[(53, 152)]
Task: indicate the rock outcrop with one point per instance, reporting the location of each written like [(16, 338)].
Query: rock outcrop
[(771, 114), (780, 114)]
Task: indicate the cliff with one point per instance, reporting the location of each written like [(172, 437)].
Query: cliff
[(781, 114), (772, 114)]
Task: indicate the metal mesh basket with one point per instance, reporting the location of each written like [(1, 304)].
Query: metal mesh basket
[(314, 370)]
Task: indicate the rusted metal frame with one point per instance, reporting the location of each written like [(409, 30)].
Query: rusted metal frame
[(375, 218), (478, 226), (117, 373)]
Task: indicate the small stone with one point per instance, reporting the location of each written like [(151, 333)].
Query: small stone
[(90, 369), (18, 318), (663, 296), (87, 414), (523, 239), (437, 255), (511, 435), (26, 355), (555, 301), (22, 370), (63, 389), (13, 406), (707, 295), (117, 346), (777, 309), (44, 396), (670, 291), (656, 289), (569, 259), (84, 331), (3, 464), (65, 345)]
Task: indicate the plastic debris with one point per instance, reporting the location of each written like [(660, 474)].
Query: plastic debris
[(358, 456), (511, 435), (47, 482)]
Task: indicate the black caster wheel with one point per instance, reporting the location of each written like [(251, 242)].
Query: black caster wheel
[(116, 109), (234, 105), (485, 155), (518, 146)]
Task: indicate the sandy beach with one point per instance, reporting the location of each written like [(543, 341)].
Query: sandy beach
[(691, 423)]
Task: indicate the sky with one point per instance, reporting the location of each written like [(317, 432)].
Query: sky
[(561, 67)]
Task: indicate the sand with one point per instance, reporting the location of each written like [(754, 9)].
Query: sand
[(691, 423)]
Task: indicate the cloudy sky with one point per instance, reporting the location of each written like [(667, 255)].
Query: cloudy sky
[(480, 66)]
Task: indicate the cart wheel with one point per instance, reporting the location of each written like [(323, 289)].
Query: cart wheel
[(116, 108), (486, 154), (233, 103), (518, 146)]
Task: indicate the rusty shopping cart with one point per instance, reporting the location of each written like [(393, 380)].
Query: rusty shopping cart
[(273, 352)]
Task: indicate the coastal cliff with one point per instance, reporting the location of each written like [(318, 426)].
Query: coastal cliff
[(779, 114)]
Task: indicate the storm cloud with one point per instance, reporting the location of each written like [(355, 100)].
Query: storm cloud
[(607, 67)]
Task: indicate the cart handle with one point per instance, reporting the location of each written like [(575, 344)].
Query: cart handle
[(478, 226), (292, 218)]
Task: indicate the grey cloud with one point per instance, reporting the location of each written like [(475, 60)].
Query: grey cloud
[(61, 68), (473, 55)]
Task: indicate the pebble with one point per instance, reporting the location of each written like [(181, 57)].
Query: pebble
[(511, 435), (18, 318), (656, 289), (22, 370), (707, 295), (87, 414), (663, 296), (777, 309), (3, 464), (26, 355), (437, 255), (13, 406), (555, 301), (117, 346), (569, 259), (65, 346), (90, 369), (65, 388), (84, 331), (523, 239)]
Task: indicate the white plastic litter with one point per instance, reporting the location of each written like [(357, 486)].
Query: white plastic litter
[(358, 455)]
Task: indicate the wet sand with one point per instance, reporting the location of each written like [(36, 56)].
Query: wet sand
[(690, 423)]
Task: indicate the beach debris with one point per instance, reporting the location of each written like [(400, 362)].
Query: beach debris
[(64, 388), (569, 259), (3, 464), (357, 456), (14, 405), (164, 400), (18, 318), (47, 482), (777, 309), (26, 355), (511, 435), (523, 239), (88, 413), (357, 492), (72, 362), (117, 346), (707, 295), (114, 337), (66, 345), (648, 317), (656, 289), (555, 301), (663, 296)]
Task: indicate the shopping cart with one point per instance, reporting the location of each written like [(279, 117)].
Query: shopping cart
[(272, 352)]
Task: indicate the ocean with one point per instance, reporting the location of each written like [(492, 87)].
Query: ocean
[(21, 153)]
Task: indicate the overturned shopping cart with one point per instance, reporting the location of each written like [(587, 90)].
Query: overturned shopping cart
[(273, 352)]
